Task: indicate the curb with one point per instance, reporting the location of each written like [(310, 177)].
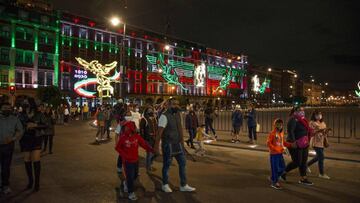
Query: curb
[(265, 150)]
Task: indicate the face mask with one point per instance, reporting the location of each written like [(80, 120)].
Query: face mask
[(128, 118), (300, 114), (318, 117), (6, 113), (136, 110)]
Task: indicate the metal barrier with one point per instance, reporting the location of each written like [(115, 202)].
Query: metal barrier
[(344, 122)]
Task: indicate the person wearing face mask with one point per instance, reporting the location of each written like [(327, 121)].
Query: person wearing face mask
[(34, 122), (318, 141), (127, 147), (136, 116), (191, 124), (171, 134), (276, 145), (148, 131), (10, 130), (298, 135)]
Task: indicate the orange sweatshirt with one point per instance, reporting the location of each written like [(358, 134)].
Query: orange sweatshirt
[(276, 142)]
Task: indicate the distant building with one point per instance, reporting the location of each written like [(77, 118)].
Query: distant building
[(312, 91)]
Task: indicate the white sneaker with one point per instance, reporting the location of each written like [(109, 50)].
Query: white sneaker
[(125, 187), (187, 188), (324, 176), (6, 190), (308, 170), (132, 196), (166, 188)]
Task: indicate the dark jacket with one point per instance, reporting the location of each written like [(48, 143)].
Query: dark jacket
[(251, 118), (148, 129), (191, 121), (295, 130), (237, 118)]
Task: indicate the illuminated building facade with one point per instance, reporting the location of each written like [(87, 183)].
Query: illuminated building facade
[(29, 47)]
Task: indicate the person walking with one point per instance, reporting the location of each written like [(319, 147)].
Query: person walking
[(298, 135), (200, 135), (108, 119), (209, 119), (191, 124), (60, 113), (10, 130), (66, 115), (237, 122), (251, 121), (85, 112), (172, 139), (34, 122), (127, 147), (100, 120), (148, 131), (276, 145), (49, 132), (318, 141)]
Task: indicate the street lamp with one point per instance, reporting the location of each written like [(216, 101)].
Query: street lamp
[(167, 47), (269, 69), (326, 84), (115, 21)]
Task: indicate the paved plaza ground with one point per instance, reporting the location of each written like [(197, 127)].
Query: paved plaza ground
[(81, 172)]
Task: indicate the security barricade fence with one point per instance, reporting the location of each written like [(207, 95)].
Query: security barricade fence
[(344, 122)]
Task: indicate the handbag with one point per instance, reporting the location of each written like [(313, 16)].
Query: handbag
[(326, 142), (303, 142)]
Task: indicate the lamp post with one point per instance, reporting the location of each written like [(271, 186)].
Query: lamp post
[(115, 21)]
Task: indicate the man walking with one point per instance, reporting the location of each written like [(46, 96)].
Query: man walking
[(237, 122), (191, 124), (251, 116), (10, 130), (171, 135)]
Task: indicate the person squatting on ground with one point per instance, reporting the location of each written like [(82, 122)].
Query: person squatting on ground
[(34, 122), (276, 145), (171, 134), (148, 130), (319, 141), (49, 132), (237, 122), (10, 130), (127, 147), (298, 135), (200, 135), (191, 124)]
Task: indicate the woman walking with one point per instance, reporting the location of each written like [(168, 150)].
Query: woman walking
[(100, 120), (298, 135), (34, 122), (318, 142)]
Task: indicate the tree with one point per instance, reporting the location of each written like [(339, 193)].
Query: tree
[(50, 95)]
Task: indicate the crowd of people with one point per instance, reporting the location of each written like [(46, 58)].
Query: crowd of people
[(32, 124), (156, 127)]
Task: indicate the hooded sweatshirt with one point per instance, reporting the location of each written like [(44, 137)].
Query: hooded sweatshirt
[(276, 142), (129, 142)]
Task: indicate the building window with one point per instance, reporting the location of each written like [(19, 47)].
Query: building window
[(4, 55), (5, 31), (83, 33), (28, 58), (23, 15), (28, 78), (66, 30), (112, 39), (19, 77), (49, 78), (19, 56), (4, 78), (99, 37), (41, 78), (44, 19)]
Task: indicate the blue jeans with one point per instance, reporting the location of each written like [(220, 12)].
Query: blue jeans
[(167, 159), (277, 167), (318, 158), (131, 171)]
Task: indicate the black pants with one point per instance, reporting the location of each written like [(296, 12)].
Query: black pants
[(192, 134), (209, 126), (252, 133), (318, 158), (48, 138), (6, 152), (299, 159), (131, 171)]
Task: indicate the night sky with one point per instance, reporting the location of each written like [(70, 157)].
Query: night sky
[(315, 37)]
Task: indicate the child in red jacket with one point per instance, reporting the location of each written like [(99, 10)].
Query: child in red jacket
[(127, 147), (276, 145)]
